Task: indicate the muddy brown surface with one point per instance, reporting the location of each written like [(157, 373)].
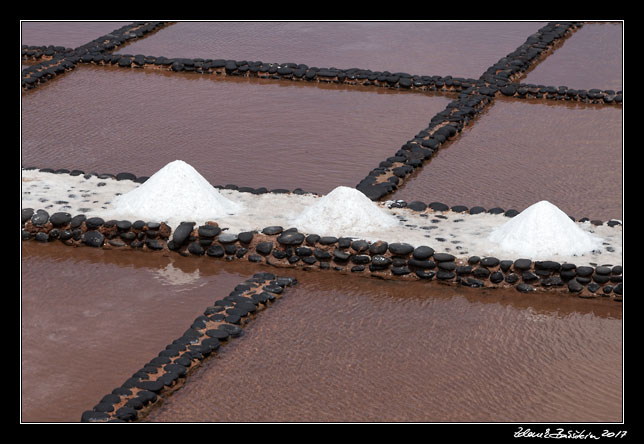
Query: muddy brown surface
[(248, 132), (520, 152), (459, 49), (592, 57)]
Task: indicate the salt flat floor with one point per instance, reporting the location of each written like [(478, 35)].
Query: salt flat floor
[(460, 234)]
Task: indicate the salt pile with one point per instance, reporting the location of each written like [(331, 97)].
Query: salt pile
[(543, 231), (344, 211), (175, 193)]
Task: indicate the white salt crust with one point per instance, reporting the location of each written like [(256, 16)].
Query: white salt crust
[(460, 234)]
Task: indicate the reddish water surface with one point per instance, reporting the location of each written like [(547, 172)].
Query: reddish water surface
[(91, 318), (334, 348), (459, 49), (69, 34), (248, 132), (591, 58), (351, 350), (521, 152)]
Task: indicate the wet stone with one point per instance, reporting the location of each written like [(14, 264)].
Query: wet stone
[(215, 251), (93, 238)]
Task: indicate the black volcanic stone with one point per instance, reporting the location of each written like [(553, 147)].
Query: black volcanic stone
[(303, 251), (417, 206), (522, 264), (512, 278), (228, 238), (273, 230), (92, 416), (424, 274), (156, 244), (361, 259), (496, 277), (215, 251), (321, 254), (489, 262), (327, 240), (400, 249), (380, 262), (443, 257), (195, 248), (421, 264), (438, 206), (208, 231), (585, 271), (312, 239), (445, 275), (447, 265), (574, 286), (547, 265), (423, 252), (60, 219), (379, 247), (602, 269), (245, 237), (40, 217), (339, 255), (182, 232), (94, 222), (477, 210), (264, 248), (290, 238), (525, 288), (481, 273), (93, 238), (400, 271), (26, 214), (360, 245)]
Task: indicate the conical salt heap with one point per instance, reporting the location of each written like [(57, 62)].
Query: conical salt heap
[(344, 211), (175, 193), (543, 231)]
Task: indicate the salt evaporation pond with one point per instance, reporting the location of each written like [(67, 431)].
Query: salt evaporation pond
[(457, 233)]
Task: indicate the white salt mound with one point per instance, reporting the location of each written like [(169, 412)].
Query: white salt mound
[(543, 231), (344, 211), (175, 193)]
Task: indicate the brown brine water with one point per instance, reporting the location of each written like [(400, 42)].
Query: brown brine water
[(91, 318), (69, 34), (521, 152), (590, 58), (334, 348), (459, 49)]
